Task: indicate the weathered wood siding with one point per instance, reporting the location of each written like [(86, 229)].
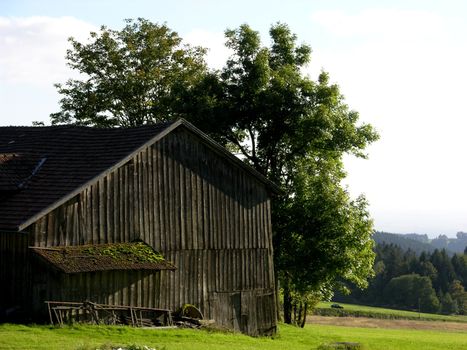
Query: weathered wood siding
[(14, 268), (206, 215)]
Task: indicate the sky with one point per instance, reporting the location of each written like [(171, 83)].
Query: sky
[(400, 64)]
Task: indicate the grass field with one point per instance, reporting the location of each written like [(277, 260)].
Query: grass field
[(324, 308), (81, 337)]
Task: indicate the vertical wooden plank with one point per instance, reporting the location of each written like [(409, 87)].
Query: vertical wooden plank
[(145, 227), (129, 199), (119, 199), (221, 199), (156, 199), (110, 209), (228, 217), (150, 234), (50, 238), (257, 215), (196, 283), (237, 209), (136, 199), (249, 213), (215, 218), (82, 219), (95, 213), (188, 208), (245, 232), (102, 211), (157, 289), (70, 220), (167, 200), (139, 288), (218, 271), (206, 222), (172, 195), (192, 242), (198, 241), (206, 270), (117, 212), (263, 225), (141, 190), (177, 193), (87, 209)]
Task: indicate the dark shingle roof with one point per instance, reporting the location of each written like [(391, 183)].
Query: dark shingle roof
[(103, 257), (41, 167), (70, 157), (17, 169)]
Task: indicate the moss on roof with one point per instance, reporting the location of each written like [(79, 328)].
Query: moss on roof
[(103, 257)]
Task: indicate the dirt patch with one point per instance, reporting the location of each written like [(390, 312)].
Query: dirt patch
[(379, 323)]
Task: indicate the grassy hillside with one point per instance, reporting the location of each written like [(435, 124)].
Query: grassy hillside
[(325, 309), (90, 337)]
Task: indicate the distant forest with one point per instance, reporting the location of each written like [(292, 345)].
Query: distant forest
[(415, 273), (421, 243)]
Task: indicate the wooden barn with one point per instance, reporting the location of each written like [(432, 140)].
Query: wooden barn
[(192, 220)]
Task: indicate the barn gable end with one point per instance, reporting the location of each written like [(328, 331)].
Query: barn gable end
[(207, 213)]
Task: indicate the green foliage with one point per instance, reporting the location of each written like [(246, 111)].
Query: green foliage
[(449, 306), (136, 252), (391, 262), (459, 294), (129, 77), (413, 292)]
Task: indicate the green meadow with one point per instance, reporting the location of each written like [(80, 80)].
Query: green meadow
[(289, 337), (324, 309)]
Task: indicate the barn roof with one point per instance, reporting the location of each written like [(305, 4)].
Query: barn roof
[(43, 167), (102, 257)]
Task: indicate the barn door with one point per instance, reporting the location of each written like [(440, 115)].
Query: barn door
[(236, 310)]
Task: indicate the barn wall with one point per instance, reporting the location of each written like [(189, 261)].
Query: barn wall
[(103, 287), (210, 218), (14, 269)]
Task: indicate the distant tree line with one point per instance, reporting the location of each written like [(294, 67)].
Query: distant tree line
[(421, 242), (431, 281)]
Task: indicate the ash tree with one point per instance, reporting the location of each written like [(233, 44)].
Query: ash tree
[(292, 129), (128, 77)]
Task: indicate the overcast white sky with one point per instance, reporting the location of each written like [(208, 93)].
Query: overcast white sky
[(401, 64)]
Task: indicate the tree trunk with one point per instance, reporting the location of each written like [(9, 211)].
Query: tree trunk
[(278, 301), (287, 303), (299, 318), (305, 310), (294, 313)]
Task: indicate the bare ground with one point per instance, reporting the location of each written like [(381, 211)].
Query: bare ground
[(380, 323)]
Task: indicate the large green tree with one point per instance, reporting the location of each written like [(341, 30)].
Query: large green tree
[(128, 77), (295, 131)]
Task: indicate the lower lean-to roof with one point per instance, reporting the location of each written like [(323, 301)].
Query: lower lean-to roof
[(102, 257)]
